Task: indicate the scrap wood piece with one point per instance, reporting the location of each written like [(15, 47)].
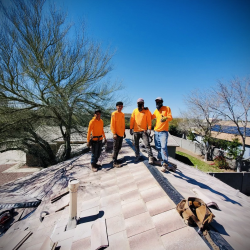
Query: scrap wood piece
[(59, 195), (203, 197), (14, 240), (62, 203), (99, 238), (48, 244)]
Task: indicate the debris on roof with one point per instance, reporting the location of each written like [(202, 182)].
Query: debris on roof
[(14, 240), (59, 195), (137, 201)]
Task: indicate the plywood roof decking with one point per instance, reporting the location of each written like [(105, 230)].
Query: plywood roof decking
[(138, 212)]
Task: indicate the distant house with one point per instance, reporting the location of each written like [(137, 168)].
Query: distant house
[(226, 130), (53, 135)]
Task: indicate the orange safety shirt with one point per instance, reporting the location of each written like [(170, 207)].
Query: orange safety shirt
[(158, 114), (140, 120), (96, 129), (117, 125)]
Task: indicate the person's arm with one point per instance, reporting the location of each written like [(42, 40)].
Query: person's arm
[(103, 131), (123, 120), (153, 116), (169, 115), (89, 132), (149, 120), (132, 120), (104, 136), (112, 124)]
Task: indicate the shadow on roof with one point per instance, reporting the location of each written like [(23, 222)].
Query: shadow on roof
[(201, 185), (219, 227), (183, 159), (90, 218)]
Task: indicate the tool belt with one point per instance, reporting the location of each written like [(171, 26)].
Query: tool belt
[(93, 141), (195, 211)]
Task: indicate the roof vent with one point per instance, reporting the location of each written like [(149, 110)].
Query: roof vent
[(73, 186)]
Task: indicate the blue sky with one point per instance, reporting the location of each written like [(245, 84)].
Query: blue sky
[(168, 48)]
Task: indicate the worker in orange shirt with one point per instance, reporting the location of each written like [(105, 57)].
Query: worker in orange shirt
[(140, 126), (163, 117), (117, 127), (96, 133)]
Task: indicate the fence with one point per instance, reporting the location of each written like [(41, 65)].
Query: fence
[(188, 145), (240, 181)]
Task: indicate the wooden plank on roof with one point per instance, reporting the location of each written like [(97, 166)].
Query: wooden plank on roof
[(14, 240), (59, 195)]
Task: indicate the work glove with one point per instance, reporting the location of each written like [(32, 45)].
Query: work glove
[(131, 131), (88, 144), (124, 135), (163, 119), (149, 132), (115, 136)]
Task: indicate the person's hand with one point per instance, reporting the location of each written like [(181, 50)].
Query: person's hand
[(124, 135), (131, 131), (163, 119), (105, 141), (88, 144), (115, 136), (149, 132)]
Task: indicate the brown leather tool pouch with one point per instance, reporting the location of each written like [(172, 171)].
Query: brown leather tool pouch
[(195, 211)]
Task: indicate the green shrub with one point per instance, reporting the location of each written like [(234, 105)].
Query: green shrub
[(127, 123), (173, 130), (191, 136), (233, 148), (220, 162)]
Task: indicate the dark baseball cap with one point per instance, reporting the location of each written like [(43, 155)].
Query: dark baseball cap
[(159, 99)]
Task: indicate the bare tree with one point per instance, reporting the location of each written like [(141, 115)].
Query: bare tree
[(232, 100), (47, 69), (199, 117)]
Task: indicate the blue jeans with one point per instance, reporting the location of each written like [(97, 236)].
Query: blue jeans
[(96, 151), (161, 142)]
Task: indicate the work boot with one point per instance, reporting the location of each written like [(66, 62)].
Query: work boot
[(137, 158), (99, 167), (116, 164), (94, 167), (151, 160), (164, 167), (172, 168), (120, 161)]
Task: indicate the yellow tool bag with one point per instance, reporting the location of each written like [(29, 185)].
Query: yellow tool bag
[(195, 211)]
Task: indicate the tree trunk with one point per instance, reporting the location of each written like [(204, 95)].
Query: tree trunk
[(67, 145), (205, 157), (239, 164)]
